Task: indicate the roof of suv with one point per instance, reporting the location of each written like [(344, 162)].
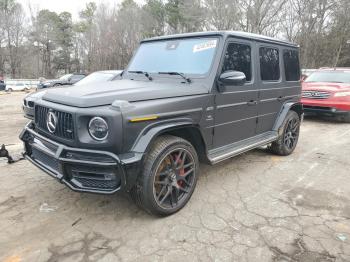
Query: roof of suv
[(225, 34)]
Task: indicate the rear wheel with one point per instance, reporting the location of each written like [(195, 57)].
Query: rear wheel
[(169, 177), (9, 90), (288, 140)]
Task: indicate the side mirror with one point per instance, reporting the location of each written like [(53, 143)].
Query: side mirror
[(232, 78)]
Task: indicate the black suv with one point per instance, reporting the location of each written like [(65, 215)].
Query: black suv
[(183, 99)]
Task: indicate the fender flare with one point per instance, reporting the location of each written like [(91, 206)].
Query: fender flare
[(151, 132), (296, 106)]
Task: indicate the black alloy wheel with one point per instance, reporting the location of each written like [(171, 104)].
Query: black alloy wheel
[(289, 135), (174, 178), (169, 176)]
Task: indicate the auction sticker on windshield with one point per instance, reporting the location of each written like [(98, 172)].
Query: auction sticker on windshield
[(204, 46)]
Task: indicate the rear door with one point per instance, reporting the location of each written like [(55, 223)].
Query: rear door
[(236, 107), (276, 85), (270, 86)]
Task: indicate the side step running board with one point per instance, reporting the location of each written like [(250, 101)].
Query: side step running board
[(226, 152)]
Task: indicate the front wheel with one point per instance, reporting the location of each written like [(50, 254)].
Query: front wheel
[(288, 140), (169, 177)]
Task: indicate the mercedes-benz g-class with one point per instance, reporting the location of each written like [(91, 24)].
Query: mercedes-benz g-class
[(183, 99)]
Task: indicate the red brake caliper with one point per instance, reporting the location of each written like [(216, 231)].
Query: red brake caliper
[(182, 171)]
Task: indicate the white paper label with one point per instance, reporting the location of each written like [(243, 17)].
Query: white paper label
[(204, 46)]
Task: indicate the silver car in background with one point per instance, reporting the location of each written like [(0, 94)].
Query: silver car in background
[(96, 77)]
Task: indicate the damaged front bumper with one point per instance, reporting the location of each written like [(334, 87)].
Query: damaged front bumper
[(81, 170)]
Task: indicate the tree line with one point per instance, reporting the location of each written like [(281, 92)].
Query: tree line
[(44, 43)]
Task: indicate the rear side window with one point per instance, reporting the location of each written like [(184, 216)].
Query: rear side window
[(238, 57), (291, 65), (269, 64)]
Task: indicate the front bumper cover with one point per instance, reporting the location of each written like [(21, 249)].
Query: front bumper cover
[(81, 170)]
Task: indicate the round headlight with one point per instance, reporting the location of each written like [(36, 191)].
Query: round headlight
[(98, 128)]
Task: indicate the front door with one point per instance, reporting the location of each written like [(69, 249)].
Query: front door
[(236, 108)]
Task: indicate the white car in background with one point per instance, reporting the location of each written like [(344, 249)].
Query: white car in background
[(17, 87)]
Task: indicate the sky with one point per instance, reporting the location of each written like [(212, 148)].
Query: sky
[(72, 6)]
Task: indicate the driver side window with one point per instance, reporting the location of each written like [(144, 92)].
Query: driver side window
[(238, 57)]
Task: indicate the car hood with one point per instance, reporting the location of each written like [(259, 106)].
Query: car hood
[(325, 86), (36, 95), (128, 90)]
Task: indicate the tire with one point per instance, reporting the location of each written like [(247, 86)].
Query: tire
[(169, 176), (10, 90), (288, 140)]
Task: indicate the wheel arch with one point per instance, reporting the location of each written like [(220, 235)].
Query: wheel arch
[(185, 130), (294, 106)]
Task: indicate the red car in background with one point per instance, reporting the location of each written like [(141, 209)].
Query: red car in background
[(327, 92)]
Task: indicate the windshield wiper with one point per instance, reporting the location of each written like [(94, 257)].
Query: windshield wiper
[(146, 74), (188, 80)]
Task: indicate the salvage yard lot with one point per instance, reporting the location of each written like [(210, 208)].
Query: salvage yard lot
[(255, 207)]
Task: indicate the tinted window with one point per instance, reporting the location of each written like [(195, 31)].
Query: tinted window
[(76, 78), (238, 58), (291, 65), (269, 64)]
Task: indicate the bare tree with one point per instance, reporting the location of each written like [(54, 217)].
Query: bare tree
[(13, 18), (221, 14), (105, 36)]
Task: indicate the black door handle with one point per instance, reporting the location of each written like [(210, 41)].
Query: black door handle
[(252, 103), (280, 98)]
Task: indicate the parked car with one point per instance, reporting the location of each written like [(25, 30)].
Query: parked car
[(2, 85), (99, 77), (15, 86), (183, 99), (68, 79), (327, 92), (307, 72), (93, 78)]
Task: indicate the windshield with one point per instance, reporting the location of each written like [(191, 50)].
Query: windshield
[(329, 76), (65, 77), (188, 56), (95, 77)]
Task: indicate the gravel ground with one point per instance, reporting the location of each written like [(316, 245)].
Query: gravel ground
[(255, 207)]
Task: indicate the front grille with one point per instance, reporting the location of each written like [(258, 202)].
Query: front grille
[(64, 128), (45, 159), (316, 94)]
